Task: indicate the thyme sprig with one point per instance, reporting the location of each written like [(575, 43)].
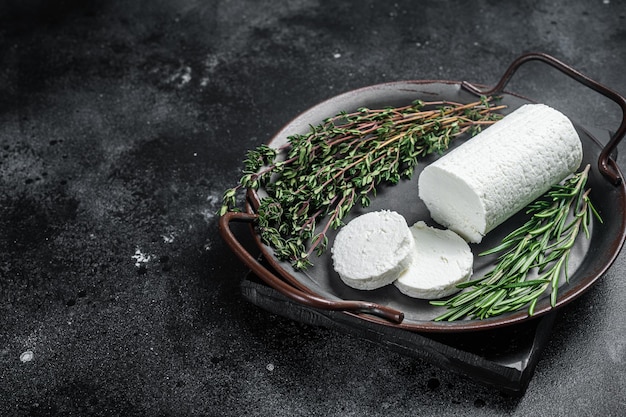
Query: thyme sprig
[(316, 178), (542, 246)]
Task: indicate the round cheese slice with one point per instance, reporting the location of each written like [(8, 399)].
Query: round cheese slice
[(441, 260), (372, 250), (477, 186)]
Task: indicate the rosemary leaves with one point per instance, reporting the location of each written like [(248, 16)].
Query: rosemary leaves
[(542, 246), (315, 179)]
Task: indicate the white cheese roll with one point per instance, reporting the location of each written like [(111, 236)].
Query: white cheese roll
[(442, 259), (483, 182), (372, 250)]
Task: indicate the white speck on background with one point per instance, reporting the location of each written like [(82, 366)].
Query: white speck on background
[(140, 257), (210, 64), (27, 356), (181, 77), (214, 201), (270, 367), (168, 238), (336, 55), (207, 214), (213, 198)]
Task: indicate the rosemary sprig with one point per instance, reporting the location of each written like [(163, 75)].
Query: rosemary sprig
[(319, 176), (542, 246)]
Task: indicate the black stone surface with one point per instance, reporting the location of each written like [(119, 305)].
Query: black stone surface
[(122, 122), (503, 359)]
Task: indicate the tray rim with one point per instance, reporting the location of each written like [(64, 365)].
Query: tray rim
[(432, 326)]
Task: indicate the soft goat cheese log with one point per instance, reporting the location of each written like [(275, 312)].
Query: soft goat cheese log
[(373, 249), (441, 260), (483, 182)]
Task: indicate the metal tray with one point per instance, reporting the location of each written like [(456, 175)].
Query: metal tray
[(319, 286)]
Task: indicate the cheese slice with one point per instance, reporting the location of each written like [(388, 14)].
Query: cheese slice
[(373, 249), (441, 260), (477, 186)]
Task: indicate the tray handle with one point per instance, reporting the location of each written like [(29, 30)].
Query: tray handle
[(283, 287), (606, 164)]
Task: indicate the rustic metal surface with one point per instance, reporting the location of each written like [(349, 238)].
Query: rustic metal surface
[(320, 287)]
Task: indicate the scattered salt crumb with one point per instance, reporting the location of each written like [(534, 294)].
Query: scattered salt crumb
[(336, 55), (140, 257), (27, 356), (606, 1), (270, 367), (168, 238)]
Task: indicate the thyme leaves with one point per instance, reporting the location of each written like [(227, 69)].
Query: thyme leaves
[(316, 178)]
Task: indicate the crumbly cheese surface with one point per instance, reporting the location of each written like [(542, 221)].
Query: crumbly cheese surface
[(441, 260), (483, 182), (373, 249)]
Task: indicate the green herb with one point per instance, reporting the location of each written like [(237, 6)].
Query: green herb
[(319, 176), (542, 245)]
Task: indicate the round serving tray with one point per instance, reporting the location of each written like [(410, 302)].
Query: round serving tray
[(320, 286)]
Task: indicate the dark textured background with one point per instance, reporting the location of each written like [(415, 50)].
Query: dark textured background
[(122, 122)]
